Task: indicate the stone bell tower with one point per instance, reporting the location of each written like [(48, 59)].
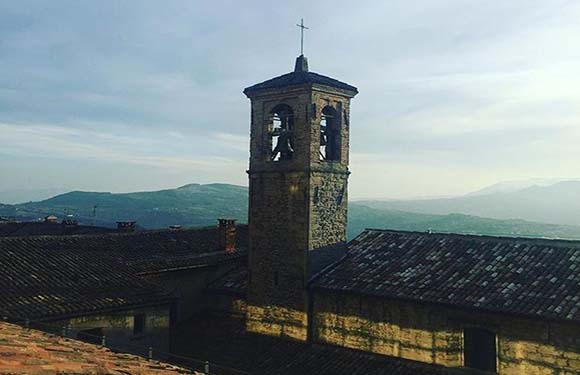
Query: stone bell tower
[(298, 191)]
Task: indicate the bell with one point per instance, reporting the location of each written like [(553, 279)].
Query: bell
[(283, 147)]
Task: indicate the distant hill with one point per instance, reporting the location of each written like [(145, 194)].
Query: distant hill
[(192, 205), (517, 185), (557, 203), (200, 205), (361, 217)]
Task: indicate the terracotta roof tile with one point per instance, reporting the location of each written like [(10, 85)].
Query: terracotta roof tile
[(24, 351)]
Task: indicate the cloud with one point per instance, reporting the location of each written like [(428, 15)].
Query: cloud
[(55, 142), (476, 91)]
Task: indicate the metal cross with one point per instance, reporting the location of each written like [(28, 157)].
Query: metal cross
[(302, 27)]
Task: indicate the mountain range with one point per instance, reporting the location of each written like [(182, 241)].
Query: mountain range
[(201, 205), (558, 203)]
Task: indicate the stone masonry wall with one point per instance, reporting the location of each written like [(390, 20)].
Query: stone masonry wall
[(278, 240), (295, 205), (435, 335), (328, 212)]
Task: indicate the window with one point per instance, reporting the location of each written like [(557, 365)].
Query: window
[(280, 133), (329, 135), (139, 324), (479, 349), (316, 197), (93, 335)]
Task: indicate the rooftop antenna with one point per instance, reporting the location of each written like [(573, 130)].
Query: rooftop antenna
[(302, 28)]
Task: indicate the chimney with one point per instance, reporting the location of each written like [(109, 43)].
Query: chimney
[(69, 223), (227, 235), (126, 226)]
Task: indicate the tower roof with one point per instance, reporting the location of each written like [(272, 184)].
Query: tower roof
[(300, 76)]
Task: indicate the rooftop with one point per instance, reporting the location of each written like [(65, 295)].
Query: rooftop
[(300, 76), (533, 277), (20, 229), (41, 280), (25, 351), (56, 276)]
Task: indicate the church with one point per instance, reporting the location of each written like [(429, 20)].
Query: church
[(290, 295), (455, 302)]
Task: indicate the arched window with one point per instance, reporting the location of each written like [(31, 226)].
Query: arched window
[(280, 134), (329, 135)]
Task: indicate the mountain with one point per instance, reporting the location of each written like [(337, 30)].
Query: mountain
[(517, 185), (191, 205), (200, 205), (558, 203), (361, 217)]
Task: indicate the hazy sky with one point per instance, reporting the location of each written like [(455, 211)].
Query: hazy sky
[(138, 95)]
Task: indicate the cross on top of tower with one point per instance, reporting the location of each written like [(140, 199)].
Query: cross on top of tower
[(302, 28)]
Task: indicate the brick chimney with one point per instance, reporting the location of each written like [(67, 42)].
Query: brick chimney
[(126, 226), (227, 235)]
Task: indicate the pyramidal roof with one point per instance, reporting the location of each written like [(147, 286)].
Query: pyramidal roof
[(300, 76)]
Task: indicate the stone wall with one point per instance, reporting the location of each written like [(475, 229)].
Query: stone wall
[(277, 259), (435, 334), (328, 212)]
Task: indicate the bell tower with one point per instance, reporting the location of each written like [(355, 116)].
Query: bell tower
[(298, 191)]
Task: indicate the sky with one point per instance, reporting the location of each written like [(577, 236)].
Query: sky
[(119, 96)]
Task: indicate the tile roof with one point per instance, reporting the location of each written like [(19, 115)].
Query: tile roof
[(300, 76), (40, 280), (24, 351), (52, 276), (225, 342), (15, 229), (532, 277), (322, 258)]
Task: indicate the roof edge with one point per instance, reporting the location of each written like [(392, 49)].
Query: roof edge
[(490, 237)]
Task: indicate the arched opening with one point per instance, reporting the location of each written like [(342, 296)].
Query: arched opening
[(281, 138), (329, 135)]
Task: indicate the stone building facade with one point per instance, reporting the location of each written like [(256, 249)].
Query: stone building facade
[(431, 334), (298, 191)]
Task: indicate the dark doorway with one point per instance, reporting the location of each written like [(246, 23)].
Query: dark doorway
[(139, 324), (479, 346)]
